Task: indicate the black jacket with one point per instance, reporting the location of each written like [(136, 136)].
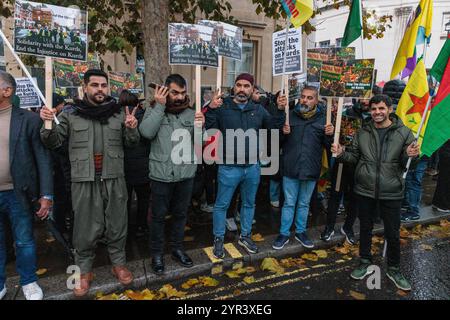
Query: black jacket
[(302, 148), (136, 159), (394, 89), (30, 162), (230, 116)]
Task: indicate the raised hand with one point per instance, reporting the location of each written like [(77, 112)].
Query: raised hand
[(413, 150), (217, 100), (130, 120), (282, 102), (161, 94)]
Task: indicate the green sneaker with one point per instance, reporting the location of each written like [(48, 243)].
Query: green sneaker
[(398, 279), (362, 270)]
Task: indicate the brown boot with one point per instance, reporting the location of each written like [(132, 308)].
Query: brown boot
[(124, 276), (85, 284)]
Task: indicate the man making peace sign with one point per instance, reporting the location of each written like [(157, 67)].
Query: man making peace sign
[(96, 129)]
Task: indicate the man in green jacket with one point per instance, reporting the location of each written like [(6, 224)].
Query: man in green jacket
[(169, 119), (96, 129), (380, 151)]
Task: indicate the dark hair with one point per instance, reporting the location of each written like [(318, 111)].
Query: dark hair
[(94, 73), (127, 98), (312, 88), (9, 81), (177, 79), (376, 99)]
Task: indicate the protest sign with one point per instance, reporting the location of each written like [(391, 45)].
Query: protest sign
[(119, 81), (293, 52), (229, 38), (27, 94), (193, 44), (70, 74), (296, 84), (316, 56), (51, 31), (352, 78)]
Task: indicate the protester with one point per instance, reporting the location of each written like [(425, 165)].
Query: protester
[(26, 186), (172, 179), (239, 165), (136, 168), (96, 131), (302, 147), (380, 151)]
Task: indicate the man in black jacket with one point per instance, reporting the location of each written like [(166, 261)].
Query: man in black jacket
[(302, 147), (25, 182)]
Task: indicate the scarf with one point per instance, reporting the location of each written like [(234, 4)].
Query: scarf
[(98, 112), (175, 108), (304, 111)]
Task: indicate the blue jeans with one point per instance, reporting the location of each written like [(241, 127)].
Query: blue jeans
[(297, 193), (274, 189), (229, 177), (22, 229), (413, 187)]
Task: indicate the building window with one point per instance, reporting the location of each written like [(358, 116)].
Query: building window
[(324, 44), (247, 64), (338, 42), (445, 20)]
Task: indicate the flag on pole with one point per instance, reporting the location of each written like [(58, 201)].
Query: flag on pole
[(298, 11), (438, 131), (418, 29), (414, 100), (354, 26)]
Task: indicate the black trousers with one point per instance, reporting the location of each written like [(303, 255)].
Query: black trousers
[(173, 198), (390, 213), (346, 189), (210, 171), (143, 202), (441, 198)]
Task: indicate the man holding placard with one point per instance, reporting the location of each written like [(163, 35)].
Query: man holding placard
[(380, 151), (96, 130)]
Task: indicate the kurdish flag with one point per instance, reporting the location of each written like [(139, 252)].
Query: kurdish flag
[(414, 99), (418, 29), (438, 131), (298, 11)]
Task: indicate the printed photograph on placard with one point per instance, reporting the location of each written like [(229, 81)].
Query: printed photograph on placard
[(229, 38), (316, 56), (119, 81), (193, 44), (52, 31), (70, 74)]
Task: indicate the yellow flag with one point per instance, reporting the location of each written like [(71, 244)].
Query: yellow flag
[(414, 99), (298, 11)]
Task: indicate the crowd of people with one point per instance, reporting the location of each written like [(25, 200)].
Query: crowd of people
[(103, 151)]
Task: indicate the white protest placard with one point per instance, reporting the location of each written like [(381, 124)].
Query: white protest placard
[(27, 94), (229, 38), (293, 52)]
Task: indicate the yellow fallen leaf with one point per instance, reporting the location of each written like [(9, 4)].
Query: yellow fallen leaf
[(310, 257), (347, 257), (208, 281), (99, 294), (134, 295), (257, 237), (292, 262), (322, 254), (190, 283), (376, 240), (402, 293), (237, 292), (342, 250), (148, 295), (250, 269), (404, 233), (425, 247), (232, 274), (109, 297), (171, 292), (249, 280), (339, 291), (188, 239), (42, 271), (403, 242), (357, 295), (272, 265), (444, 223)]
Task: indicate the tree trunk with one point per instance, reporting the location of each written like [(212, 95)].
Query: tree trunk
[(155, 19)]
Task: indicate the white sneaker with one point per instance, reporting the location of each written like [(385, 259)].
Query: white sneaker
[(440, 210), (3, 292), (207, 208), (275, 204), (32, 291), (231, 224)]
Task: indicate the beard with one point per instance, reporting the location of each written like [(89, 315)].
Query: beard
[(98, 98), (241, 97)]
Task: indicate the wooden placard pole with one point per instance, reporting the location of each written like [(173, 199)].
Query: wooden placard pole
[(48, 87), (286, 93), (219, 74), (198, 85), (329, 109), (337, 134)]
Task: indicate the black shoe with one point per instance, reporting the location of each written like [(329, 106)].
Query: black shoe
[(181, 257), (248, 244), (158, 264), (218, 248), (327, 234), (349, 235)]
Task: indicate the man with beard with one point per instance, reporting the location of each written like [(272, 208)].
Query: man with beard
[(352, 120), (240, 164), (96, 130), (380, 151), (171, 175), (302, 147)]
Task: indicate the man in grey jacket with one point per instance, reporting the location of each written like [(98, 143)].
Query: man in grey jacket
[(169, 118)]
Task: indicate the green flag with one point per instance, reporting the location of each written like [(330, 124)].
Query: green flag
[(353, 29), (437, 71)]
